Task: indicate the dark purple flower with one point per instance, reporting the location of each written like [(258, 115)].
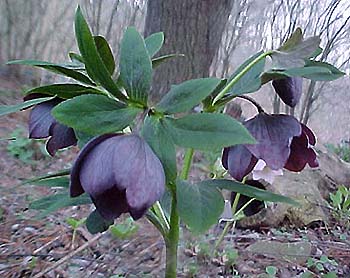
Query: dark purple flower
[(120, 173), (302, 152), (42, 125), (281, 142), (289, 89)]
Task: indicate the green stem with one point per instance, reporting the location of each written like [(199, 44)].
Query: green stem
[(172, 238), (226, 89), (160, 213)]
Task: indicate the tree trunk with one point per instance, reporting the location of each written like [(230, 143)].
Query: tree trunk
[(191, 27)]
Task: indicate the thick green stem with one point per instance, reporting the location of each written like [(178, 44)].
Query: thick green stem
[(226, 89), (172, 238)]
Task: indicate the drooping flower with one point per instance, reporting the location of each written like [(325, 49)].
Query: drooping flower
[(282, 142), (120, 173), (289, 89), (42, 125)]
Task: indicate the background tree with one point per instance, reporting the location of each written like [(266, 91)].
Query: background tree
[(191, 27)]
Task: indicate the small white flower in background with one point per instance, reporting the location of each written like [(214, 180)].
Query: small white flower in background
[(261, 171)]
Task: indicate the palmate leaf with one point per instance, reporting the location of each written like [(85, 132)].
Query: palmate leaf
[(248, 190), (160, 141), (95, 223), (69, 70), (199, 205), (94, 114), (94, 64), (154, 43), (183, 97), (159, 60), (64, 90), (250, 81), (105, 53), (54, 202), (8, 109), (135, 66), (294, 51), (207, 131)]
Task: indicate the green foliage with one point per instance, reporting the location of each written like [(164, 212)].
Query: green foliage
[(8, 109), (342, 150), (21, 147), (320, 267), (95, 223), (124, 230), (271, 271), (207, 131), (340, 204), (154, 43), (135, 66), (199, 205), (94, 114)]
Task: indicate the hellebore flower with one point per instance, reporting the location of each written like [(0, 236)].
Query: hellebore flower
[(120, 173), (282, 142), (302, 152), (42, 125), (289, 89)]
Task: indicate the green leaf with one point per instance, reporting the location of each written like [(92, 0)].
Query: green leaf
[(52, 182), (293, 52), (185, 96), (83, 138), (69, 70), (94, 114), (250, 81), (332, 74), (124, 230), (105, 52), (61, 173), (159, 60), (95, 223), (249, 191), (8, 109), (154, 43), (157, 137), (74, 57), (94, 64), (65, 90), (207, 131), (135, 66), (199, 205), (58, 201)]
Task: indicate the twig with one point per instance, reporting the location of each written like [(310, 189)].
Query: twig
[(67, 257)]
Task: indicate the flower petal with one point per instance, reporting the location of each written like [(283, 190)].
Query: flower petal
[(240, 162), (111, 203), (274, 134), (289, 89), (61, 137), (310, 135), (40, 119), (140, 171), (76, 188)]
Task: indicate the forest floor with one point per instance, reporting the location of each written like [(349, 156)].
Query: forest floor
[(30, 245)]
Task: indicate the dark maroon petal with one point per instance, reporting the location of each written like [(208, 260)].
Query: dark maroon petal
[(111, 203), (40, 120), (61, 137), (301, 154), (289, 89), (137, 169), (76, 188), (310, 135), (273, 134), (240, 162)]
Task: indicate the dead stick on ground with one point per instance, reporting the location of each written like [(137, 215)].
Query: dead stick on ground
[(70, 255)]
